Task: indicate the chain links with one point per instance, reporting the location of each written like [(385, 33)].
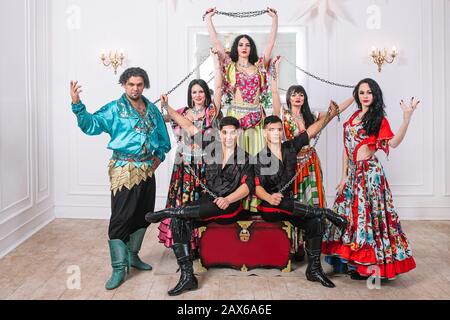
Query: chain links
[(191, 171), (306, 157), (245, 14), (318, 78)]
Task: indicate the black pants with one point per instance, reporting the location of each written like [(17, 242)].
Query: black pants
[(129, 208), (285, 212), (209, 212)]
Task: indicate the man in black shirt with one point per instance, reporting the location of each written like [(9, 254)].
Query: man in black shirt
[(275, 168), (229, 179)]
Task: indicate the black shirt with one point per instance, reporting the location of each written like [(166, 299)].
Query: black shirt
[(273, 174), (238, 170)]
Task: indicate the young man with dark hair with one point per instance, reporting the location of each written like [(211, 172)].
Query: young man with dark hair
[(274, 171), (229, 179), (139, 141)]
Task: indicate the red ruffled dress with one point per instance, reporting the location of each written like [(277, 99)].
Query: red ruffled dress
[(374, 242)]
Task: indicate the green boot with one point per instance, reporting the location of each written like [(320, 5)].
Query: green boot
[(134, 245), (119, 262)]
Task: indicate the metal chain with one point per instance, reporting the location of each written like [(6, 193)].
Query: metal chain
[(245, 14), (191, 171), (185, 78), (306, 157), (274, 76), (318, 78)]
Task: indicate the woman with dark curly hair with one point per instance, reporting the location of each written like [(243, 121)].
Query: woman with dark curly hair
[(374, 241)]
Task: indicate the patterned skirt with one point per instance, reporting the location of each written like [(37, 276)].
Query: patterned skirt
[(251, 140), (184, 188), (374, 241), (308, 187)]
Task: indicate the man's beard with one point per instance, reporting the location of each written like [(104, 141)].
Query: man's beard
[(135, 99)]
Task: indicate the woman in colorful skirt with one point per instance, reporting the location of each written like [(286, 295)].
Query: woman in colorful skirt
[(297, 117), (189, 169), (245, 86), (374, 242)]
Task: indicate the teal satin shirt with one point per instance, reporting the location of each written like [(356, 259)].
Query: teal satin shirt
[(133, 138)]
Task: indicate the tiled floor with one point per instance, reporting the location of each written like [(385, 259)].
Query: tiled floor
[(41, 269)]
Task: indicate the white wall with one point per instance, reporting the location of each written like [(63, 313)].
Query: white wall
[(48, 167), (157, 37), (46, 161), (26, 185)]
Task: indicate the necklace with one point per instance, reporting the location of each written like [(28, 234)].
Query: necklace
[(244, 65), (359, 117), (197, 112), (298, 117)]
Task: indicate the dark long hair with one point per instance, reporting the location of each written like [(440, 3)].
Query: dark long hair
[(202, 83), (373, 117), (234, 54), (305, 109)]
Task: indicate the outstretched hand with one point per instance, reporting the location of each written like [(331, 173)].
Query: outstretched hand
[(334, 108), (272, 12), (75, 90), (277, 61), (409, 110), (210, 13)]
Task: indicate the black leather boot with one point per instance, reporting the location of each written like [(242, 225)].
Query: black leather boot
[(188, 212), (314, 270), (354, 275), (304, 211), (187, 280), (335, 219)]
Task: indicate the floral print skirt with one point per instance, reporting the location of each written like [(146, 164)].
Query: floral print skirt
[(374, 242)]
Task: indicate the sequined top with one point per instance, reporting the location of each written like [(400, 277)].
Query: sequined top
[(253, 88), (355, 137), (291, 129), (134, 138), (187, 146)]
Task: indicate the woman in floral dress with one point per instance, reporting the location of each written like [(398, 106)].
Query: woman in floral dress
[(374, 241)]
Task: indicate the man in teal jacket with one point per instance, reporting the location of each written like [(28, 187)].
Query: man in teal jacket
[(139, 141)]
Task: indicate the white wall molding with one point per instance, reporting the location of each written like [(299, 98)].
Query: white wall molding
[(33, 206), (446, 92), (417, 170)]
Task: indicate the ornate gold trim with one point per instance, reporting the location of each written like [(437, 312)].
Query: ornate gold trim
[(288, 228), (127, 176), (200, 231), (245, 224), (288, 267), (244, 268), (200, 267)]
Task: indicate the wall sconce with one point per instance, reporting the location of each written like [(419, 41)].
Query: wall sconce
[(114, 60), (380, 57)]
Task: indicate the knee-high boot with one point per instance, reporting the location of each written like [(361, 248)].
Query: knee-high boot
[(188, 212), (305, 211), (187, 281), (119, 262), (314, 270), (134, 246)]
